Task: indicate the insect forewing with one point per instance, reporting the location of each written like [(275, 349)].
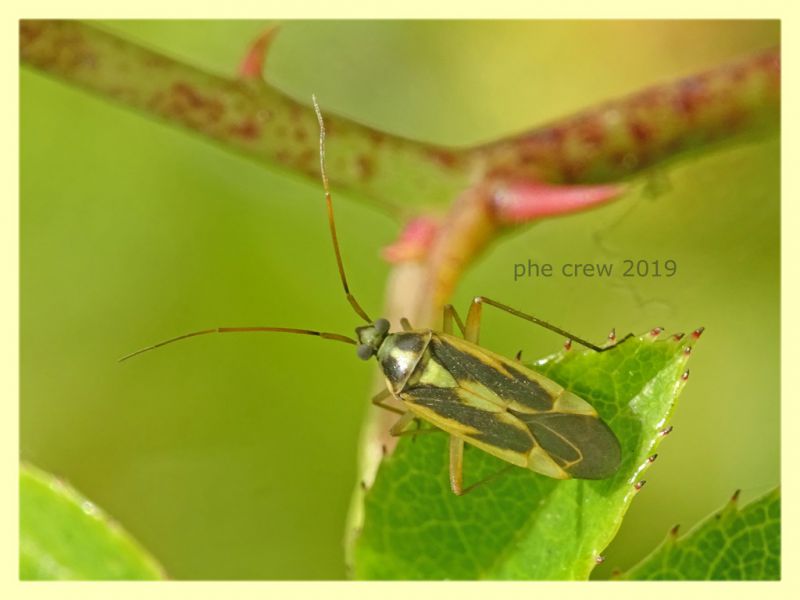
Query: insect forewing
[(509, 411)]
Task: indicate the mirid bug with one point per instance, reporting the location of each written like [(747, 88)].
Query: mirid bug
[(472, 394)]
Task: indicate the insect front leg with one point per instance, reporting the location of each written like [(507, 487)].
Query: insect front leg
[(378, 400), (449, 316), (399, 428), (406, 417)]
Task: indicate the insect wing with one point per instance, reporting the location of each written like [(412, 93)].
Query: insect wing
[(461, 413), (510, 411), (582, 445), (508, 383)]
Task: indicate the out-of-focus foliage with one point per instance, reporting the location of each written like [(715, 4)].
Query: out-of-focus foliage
[(63, 535), (733, 544)]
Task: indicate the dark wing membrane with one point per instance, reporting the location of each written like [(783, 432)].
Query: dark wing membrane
[(582, 445), (509, 382), (487, 427)]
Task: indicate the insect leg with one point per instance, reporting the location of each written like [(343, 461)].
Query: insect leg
[(401, 423), (474, 321), (399, 428), (418, 431), (415, 432), (378, 400), (451, 315), (491, 477), (456, 465), (405, 324), (457, 469)]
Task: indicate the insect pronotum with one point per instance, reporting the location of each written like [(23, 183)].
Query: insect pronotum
[(472, 394)]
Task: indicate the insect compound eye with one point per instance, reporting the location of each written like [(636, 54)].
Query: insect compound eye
[(364, 351), (381, 326)]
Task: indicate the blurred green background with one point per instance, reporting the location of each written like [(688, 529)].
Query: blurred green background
[(233, 457)]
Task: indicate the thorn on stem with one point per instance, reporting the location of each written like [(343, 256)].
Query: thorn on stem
[(674, 531), (652, 459), (612, 335), (685, 375), (639, 485), (599, 559), (568, 344), (698, 332), (656, 331), (687, 350), (526, 200), (666, 431), (678, 337), (414, 242), (252, 66), (518, 356), (735, 497)]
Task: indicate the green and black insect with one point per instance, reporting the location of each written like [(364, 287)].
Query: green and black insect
[(474, 395)]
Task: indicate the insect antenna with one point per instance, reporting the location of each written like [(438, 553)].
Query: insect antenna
[(350, 298), (323, 334), (332, 224)]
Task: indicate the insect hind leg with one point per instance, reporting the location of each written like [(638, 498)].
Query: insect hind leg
[(457, 469), (474, 322)]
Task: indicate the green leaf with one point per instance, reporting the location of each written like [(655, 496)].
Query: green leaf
[(732, 544), (522, 525), (65, 536)]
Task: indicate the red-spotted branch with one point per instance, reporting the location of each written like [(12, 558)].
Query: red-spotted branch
[(604, 143), (561, 167)]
